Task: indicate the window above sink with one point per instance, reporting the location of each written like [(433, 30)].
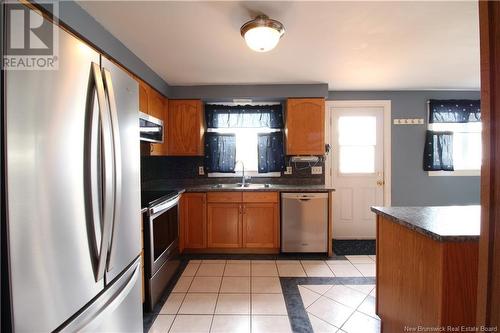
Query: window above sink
[(250, 134)]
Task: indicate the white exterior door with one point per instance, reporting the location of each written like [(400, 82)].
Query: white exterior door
[(358, 159)]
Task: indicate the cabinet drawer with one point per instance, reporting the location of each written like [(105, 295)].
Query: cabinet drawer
[(224, 197), (260, 197)]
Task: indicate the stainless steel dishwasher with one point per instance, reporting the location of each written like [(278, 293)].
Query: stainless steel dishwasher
[(304, 222)]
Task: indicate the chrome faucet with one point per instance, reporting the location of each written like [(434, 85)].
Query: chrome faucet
[(243, 173)]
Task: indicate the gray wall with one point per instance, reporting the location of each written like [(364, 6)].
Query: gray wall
[(78, 20), (263, 92), (411, 186)]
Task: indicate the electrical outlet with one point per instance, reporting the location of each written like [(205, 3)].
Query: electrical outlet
[(201, 171), (288, 170), (316, 170)]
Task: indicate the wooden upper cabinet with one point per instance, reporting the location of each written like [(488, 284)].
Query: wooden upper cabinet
[(305, 126), (153, 103), (193, 220), (158, 108), (143, 97), (185, 128)]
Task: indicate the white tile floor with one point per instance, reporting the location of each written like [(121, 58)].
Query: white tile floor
[(245, 296)]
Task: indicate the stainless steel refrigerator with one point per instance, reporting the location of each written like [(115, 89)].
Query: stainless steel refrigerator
[(73, 195)]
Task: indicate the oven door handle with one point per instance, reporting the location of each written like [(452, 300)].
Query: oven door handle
[(159, 209)]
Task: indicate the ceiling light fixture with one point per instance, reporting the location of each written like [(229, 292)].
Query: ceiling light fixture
[(262, 34)]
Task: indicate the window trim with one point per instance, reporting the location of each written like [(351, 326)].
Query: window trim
[(239, 174), (456, 173)]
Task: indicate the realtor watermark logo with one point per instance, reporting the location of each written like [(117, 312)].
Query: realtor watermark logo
[(31, 40), (451, 328)]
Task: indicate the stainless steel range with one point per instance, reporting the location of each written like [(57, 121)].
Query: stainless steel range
[(161, 237)]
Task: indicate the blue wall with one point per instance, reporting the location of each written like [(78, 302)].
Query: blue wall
[(263, 92), (411, 186)]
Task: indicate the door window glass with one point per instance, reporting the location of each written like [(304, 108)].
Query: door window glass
[(357, 137)]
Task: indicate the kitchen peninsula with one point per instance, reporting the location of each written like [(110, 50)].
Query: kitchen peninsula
[(426, 266)]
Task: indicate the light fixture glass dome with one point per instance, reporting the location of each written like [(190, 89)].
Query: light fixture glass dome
[(262, 34)]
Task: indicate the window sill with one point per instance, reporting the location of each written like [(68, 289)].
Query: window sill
[(238, 174), (456, 173)]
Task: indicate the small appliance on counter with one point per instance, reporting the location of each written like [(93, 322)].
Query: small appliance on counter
[(161, 242), (304, 225)]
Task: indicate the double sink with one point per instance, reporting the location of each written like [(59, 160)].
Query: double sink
[(241, 186)]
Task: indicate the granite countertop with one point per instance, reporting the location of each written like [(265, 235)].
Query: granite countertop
[(208, 187), (253, 187), (442, 223), (260, 188)]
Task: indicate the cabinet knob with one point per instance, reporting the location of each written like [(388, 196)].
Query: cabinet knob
[(380, 182)]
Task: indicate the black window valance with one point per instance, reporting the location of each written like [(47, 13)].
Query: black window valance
[(454, 111), (220, 152), (244, 116), (271, 152)]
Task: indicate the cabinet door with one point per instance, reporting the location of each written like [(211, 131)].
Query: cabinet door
[(305, 126), (185, 128), (155, 104), (260, 225), (224, 225), (158, 107), (143, 97), (193, 220)]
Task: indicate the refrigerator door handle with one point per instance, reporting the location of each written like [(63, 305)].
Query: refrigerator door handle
[(115, 129), (107, 178)]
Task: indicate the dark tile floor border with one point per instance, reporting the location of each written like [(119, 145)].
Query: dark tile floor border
[(354, 246), (294, 305), (297, 314)]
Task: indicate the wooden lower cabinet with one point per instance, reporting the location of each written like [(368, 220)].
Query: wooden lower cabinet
[(229, 220), (260, 225), (224, 225), (193, 221), (423, 282)]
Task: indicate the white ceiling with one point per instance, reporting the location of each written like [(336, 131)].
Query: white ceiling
[(349, 45)]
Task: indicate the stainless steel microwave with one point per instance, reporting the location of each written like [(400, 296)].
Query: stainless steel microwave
[(151, 128)]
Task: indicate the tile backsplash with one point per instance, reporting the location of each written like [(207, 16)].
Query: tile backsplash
[(155, 168)]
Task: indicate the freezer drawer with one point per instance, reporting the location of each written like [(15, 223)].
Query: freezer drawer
[(304, 222), (117, 309)]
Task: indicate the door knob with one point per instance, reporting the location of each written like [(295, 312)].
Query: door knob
[(380, 182)]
